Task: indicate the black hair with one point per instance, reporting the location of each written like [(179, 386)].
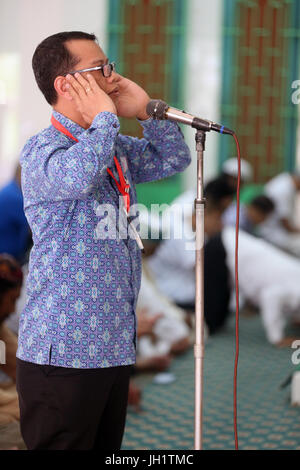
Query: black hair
[(216, 190), (263, 203), (11, 275), (52, 58)]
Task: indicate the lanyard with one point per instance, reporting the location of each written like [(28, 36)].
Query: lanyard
[(122, 185)]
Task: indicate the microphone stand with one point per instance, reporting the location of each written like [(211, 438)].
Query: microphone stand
[(199, 294), (158, 109)]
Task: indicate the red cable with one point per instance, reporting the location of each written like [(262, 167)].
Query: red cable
[(236, 293)]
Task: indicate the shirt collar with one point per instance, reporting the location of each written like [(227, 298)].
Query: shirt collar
[(75, 129)]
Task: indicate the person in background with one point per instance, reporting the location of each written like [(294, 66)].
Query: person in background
[(252, 214), (172, 264), (280, 229), (168, 333), (15, 238), (269, 279), (219, 193), (229, 172), (217, 285), (11, 278), (173, 268), (230, 175), (283, 190)]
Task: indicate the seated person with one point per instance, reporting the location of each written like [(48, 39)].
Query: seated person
[(283, 191), (229, 172), (252, 214), (173, 268), (10, 286), (167, 332), (217, 286), (219, 193), (15, 235), (280, 229), (268, 278), (172, 264)]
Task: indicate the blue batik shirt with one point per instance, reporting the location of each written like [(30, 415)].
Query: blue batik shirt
[(82, 289)]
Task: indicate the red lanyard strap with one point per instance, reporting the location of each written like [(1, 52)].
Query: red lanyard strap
[(122, 185), (61, 128)]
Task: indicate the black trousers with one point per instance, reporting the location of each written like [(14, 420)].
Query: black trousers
[(72, 409)]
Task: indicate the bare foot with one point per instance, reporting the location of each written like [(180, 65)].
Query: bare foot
[(180, 346), (286, 342), (157, 363), (190, 320)]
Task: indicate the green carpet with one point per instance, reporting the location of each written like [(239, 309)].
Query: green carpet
[(266, 420)]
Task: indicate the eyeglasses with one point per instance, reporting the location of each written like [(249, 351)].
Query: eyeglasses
[(106, 69)]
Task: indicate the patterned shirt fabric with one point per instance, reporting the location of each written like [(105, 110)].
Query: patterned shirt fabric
[(82, 288)]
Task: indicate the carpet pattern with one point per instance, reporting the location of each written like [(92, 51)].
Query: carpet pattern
[(266, 419)]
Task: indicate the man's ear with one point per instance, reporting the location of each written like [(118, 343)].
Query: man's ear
[(60, 87)]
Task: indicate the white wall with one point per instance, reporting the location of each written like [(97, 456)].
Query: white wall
[(23, 25), (203, 78)]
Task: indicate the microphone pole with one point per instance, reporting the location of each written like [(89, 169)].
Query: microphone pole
[(160, 110), (200, 138)]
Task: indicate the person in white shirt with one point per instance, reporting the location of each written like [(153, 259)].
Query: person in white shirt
[(252, 215), (172, 266), (283, 190), (230, 171), (173, 263), (170, 333), (280, 228), (268, 278), (230, 175)]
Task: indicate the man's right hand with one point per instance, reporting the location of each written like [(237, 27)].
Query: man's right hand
[(89, 98)]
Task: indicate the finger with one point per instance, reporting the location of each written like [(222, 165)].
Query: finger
[(120, 79), (73, 94), (83, 82), (76, 85), (92, 82)]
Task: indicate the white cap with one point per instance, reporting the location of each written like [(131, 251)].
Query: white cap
[(230, 167)]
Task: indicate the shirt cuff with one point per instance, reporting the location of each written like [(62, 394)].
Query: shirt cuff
[(106, 118)]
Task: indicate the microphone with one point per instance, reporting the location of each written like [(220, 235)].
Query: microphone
[(158, 109)]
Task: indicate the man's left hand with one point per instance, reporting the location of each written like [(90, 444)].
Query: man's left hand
[(131, 100)]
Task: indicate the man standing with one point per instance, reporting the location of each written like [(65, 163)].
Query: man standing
[(77, 333)]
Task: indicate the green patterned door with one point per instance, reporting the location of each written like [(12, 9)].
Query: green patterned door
[(147, 40), (260, 62)]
